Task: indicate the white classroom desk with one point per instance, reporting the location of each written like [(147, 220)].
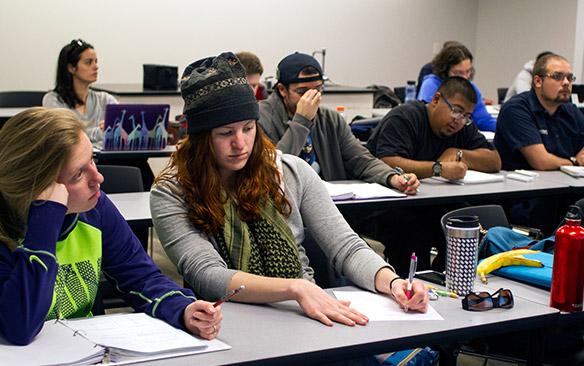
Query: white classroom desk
[(135, 206), (561, 177), (280, 334), (10, 112), (434, 192)]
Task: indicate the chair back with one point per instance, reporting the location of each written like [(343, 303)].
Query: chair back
[(117, 179), (121, 179), (324, 273), (501, 92), (400, 92), (489, 216), (362, 128), (578, 89), (19, 99)]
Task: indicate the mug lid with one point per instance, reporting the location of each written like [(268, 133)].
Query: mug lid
[(463, 221)]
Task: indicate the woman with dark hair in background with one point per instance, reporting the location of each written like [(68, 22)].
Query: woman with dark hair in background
[(76, 71), (451, 61)]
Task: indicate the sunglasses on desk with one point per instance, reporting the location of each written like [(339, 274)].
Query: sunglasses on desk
[(482, 301)]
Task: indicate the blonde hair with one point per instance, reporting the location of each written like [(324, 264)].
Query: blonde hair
[(34, 146)]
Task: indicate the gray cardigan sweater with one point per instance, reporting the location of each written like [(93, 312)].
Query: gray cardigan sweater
[(340, 154), (198, 261)]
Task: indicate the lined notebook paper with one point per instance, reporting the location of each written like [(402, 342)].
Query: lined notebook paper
[(474, 177)]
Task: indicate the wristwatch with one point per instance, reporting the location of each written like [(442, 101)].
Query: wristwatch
[(437, 169), (574, 161)]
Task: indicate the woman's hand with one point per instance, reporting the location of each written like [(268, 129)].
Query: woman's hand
[(56, 192), (418, 301), (319, 305), (201, 318)]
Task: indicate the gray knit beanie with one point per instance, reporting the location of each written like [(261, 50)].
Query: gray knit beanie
[(216, 93)]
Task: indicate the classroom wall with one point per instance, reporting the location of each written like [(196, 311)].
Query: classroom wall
[(366, 41), (512, 32)]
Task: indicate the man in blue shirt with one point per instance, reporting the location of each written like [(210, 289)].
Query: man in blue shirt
[(540, 129)]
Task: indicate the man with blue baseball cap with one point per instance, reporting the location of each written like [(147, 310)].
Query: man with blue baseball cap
[(293, 118)]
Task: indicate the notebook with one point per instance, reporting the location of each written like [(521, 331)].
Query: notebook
[(125, 338), (474, 177), (540, 276), (135, 127), (574, 171), (360, 191)]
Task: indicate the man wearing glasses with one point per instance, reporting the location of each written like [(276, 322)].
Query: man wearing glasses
[(437, 138), (541, 129), (433, 139), (293, 118)]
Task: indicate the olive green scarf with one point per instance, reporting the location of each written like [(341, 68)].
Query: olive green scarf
[(264, 247)]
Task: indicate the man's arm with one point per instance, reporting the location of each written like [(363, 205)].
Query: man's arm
[(482, 159), (452, 170), (540, 159)]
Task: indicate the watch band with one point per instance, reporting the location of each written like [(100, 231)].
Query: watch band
[(437, 169), (574, 161)]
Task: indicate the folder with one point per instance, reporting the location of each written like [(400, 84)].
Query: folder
[(119, 338)]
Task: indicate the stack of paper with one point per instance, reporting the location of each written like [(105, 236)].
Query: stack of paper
[(474, 177), (574, 171), (121, 338), (359, 191)]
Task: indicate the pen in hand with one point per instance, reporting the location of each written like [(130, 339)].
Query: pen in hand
[(413, 265), (401, 173), (229, 296), (459, 155)]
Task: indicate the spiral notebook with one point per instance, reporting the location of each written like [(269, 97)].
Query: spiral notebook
[(119, 339), (359, 191)]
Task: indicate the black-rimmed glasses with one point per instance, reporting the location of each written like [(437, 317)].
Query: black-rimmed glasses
[(301, 91), (481, 301), (458, 114), (560, 76)]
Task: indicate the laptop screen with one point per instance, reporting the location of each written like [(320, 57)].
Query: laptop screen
[(135, 126)]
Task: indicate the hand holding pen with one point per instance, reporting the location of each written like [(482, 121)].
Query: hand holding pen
[(407, 183), (229, 296)]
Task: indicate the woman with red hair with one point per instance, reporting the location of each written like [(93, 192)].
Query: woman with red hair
[(231, 211)]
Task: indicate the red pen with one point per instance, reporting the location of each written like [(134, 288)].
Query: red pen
[(229, 296), (413, 265)]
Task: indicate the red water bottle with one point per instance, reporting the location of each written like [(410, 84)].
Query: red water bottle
[(567, 291)]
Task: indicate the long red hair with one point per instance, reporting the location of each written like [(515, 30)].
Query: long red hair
[(194, 166)]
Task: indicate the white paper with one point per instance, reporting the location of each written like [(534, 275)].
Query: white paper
[(360, 191), (520, 177), (135, 332), (74, 342), (474, 177), (54, 345), (574, 171), (381, 308)]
